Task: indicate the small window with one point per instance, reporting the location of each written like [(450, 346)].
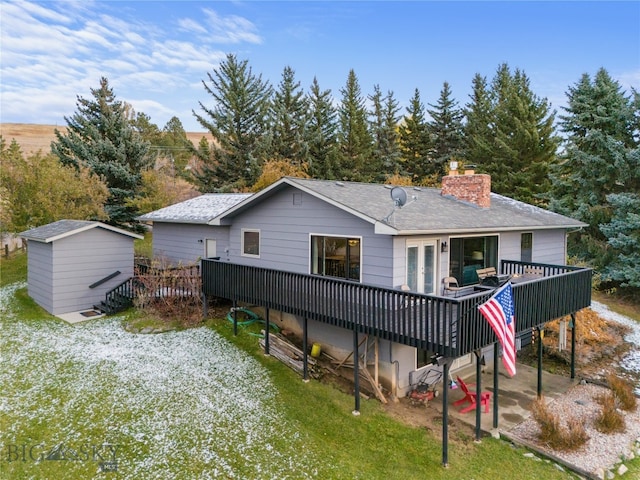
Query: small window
[(251, 243), (526, 247)]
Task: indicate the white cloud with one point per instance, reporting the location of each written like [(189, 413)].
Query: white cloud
[(54, 52), (191, 26), (230, 29)]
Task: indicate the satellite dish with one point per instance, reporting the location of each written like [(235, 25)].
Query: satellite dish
[(399, 196)]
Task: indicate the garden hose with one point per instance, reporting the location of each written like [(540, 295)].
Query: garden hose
[(253, 318)]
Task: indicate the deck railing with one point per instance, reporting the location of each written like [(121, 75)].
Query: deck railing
[(450, 327)]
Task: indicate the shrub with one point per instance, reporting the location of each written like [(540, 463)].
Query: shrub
[(570, 437), (171, 293), (609, 420), (623, 392)]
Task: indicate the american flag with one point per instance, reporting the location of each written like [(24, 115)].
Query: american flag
[(498, 311)]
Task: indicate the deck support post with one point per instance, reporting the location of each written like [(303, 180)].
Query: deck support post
[(445, 416), (496, 365), (305, 360), (540, 331), (235, 318), (573, 346), (266, 331), (356, 373), (478, 354)]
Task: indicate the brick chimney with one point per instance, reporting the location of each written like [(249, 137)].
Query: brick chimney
[(469, 187)]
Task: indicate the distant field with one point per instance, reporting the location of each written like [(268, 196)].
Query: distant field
[(34, 137)]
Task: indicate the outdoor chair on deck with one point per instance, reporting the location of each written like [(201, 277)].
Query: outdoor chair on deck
[(470, 397), (451, 286)]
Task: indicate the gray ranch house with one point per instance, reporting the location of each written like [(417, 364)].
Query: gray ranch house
[(427, 241), (72, 264)]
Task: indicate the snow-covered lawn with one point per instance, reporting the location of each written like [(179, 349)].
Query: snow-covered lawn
[(175, 405)]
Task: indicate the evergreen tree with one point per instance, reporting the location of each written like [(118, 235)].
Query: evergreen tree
[(479, 130), (525, 143), (322, 136), (289, 121), (100, 137), (446, 130), (384, 119), (354, 141), (177, 147), (510, 135), (239, 125), (597, 180), (415, 145)]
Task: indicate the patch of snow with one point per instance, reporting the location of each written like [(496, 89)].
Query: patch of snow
[(631, 361), (170, 401)]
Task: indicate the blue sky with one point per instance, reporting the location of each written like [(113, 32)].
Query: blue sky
[(156, 54)]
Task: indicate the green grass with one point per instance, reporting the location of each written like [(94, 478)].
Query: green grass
[(373, 445), (144, 247), (13, 269)]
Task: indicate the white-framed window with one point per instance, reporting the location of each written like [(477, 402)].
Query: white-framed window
[(339, 257), (526, 247), (250, 242)]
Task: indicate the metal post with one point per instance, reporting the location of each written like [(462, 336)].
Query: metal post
[(235, 318), (539, 361), (356, 373), (266, 331), (496, 364), (445, 417), (478, 395), (305, 364), (573, 346)]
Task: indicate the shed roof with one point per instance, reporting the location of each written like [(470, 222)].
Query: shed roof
[(65, 228), (196, 210), (427, 211)]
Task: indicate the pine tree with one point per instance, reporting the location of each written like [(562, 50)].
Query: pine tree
[(510, 135), (479, 129), (446, 130), (355, 142), (415, 145), (383, 124), (525, 143), (239, 125), (597, 179), (289, 121), (322, 136), (100, 137), (176, 147)]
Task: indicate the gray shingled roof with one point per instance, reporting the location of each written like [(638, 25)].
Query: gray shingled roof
[(196, 210), (426, 211), (64, 228)]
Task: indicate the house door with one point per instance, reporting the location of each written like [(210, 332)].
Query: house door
[(421, 266), (210, 248)]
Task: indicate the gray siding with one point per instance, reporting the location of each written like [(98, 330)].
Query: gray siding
[(549, 246), (40, 273), (185, 243), (285, 230), (83, 259)]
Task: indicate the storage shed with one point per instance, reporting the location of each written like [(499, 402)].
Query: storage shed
[(73, 263)]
